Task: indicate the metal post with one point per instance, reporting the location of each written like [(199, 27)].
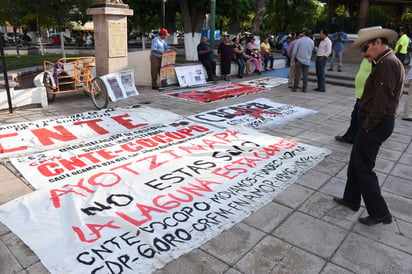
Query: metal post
[(212, 26), (163, 13), (6, 77)]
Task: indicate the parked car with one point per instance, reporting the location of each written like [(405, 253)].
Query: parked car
[(52, 36), (9, 36)]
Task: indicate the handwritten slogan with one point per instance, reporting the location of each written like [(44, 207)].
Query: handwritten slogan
[(145, 197), (216, 93), (260, 114), (29, 137)]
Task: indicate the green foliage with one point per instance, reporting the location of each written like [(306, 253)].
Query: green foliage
[(284, 16), (16, 62)]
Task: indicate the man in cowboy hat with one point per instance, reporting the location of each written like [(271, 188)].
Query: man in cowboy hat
[(377, 109)]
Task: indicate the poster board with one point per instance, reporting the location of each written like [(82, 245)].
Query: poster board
[(188, 76), (167, 67), (120, 85)]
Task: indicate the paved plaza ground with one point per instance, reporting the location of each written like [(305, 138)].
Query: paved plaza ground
[(302, 230)]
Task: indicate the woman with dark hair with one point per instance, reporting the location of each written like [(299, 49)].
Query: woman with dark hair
[(238, 57), (225, 53), (252, 49), (246, 57)]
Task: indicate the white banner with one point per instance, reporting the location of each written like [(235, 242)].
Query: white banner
[(260, 113), (29, 137), (265, 82), (136, 212)]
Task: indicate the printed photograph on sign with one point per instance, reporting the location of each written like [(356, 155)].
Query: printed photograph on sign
[(120, 85), (216, 93), (188, 76)]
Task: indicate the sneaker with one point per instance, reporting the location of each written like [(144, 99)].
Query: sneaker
[(330, 69), (339, 70)]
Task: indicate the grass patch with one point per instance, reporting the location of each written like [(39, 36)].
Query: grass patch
[(23, 61)]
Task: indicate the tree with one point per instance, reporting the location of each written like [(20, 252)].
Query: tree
[(236, 11), (257, 19), (193, 13)]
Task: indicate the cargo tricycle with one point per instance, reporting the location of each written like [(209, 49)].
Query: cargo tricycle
[(72, 75)]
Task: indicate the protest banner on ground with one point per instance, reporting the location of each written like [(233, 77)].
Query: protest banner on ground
[(169, 190), (260, 113), (34, 136), (265, 82), (216, 93)]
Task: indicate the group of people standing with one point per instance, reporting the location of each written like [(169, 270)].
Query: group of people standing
[(300, 50)]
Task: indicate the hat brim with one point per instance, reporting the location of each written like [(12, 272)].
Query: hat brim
[(389, 34)]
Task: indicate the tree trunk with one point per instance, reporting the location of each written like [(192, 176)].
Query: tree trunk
[(193, 18), (260, 9)]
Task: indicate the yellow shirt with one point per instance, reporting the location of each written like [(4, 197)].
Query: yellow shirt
[(265, 47), (404, 41)]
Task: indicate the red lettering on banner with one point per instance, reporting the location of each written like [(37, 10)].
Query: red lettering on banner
[(106, 181), (212, 143), (287, 144), (4, 150), (127, 122), (162, 139), (50, 169), (153, 162), (44, 135), (72, 163), (167, 205), (93, 125), (108, 155), (146, 210), (89, 156), (55, 194), (246, 161), (131, 147), (229, 172), (126, 167), (95, 229)]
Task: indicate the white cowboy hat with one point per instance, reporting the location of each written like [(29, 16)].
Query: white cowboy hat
[(371, 33)]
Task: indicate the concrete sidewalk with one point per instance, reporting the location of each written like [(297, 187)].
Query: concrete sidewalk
[(300, 231)]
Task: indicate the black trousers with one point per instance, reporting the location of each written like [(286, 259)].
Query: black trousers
[(210, 67), (362, 180), (351, 132)]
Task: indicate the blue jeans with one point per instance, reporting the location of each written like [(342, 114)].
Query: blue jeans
[(320, 72), (241, 66), (266, 59)]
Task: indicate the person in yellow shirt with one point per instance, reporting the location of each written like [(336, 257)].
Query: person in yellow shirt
[(401, 47), (267, 54)]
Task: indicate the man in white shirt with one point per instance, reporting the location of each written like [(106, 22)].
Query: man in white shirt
[(302, 53), (322, 53)]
